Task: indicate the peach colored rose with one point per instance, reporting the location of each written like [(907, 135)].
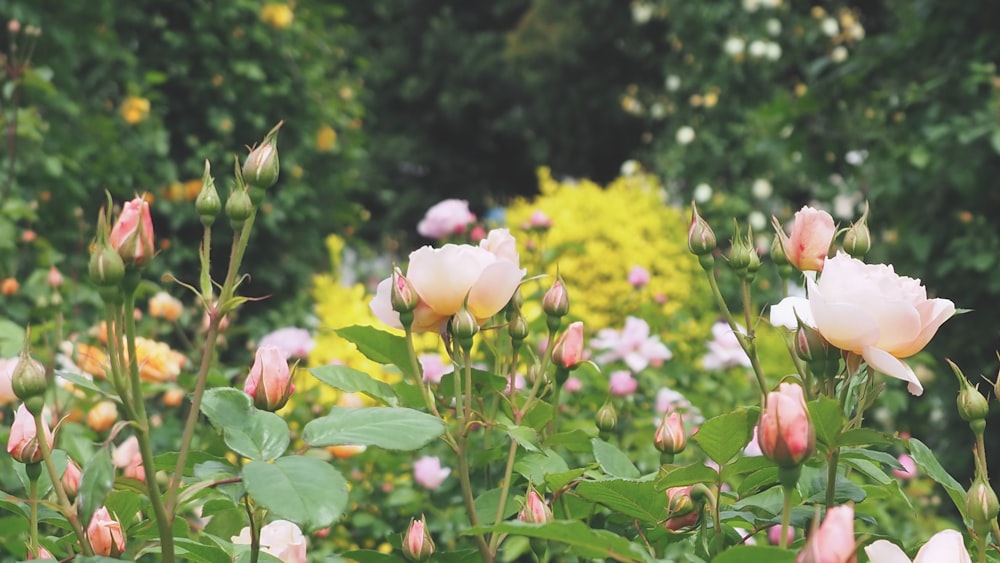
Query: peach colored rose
[(870, 310), (833, 542), (809, 243), (22, 444), (105, 534), (785, 434)]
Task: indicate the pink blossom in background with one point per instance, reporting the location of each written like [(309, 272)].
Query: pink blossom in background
[(519, 383), (632, 345), (724, 350), (294, 342), (446, 218), (433, 367), (7, 366), (538, 220), (753, 448), (622, 384), (128, 458), (909, 470), (638, 277), (478, 234), (572, 385), (774, 535), (428, 473), (669, 400)]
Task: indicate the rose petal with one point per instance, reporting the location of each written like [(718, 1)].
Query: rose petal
[(884, 551), (884, 362), (946, 545), (844, 325)]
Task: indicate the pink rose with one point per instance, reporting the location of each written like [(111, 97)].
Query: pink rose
[(909, 470), (809, 243), (785, 433), (22, 444), (568, 351), (622, 384), (7, 366), (572, 385), (293, 342), (269, 382), (535, 510), (946, 545), (870, 310), (833, 542), (433, 368), (418, 544), (105, 534), (638, 277), (280, 538), (132, 235), (428, 473), (447, 218), (446, 277)]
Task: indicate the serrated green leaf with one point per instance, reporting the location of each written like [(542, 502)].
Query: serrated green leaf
[(681, 476), (639, 500), (380, 346), (392, 428), (613, 461), (724, 436), (525, 437), (351, 380), (536, 466), (755, 554), (304, 490), (827, 418), (252, 433)]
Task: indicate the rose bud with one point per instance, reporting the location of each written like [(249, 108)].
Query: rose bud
[(105, 534), (270, 380), (418, 544), (785, 433), (535, 510), (22, 444), (132, 235)]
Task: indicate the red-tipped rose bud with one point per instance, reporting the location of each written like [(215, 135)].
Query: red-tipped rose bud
[(403, 298), (785, 433), (270, 380), (535, 510), (701, 237), (568, 350), (261, 167), (809, 243), (132, 235), (670, 436), (418, 544), (22, 444)]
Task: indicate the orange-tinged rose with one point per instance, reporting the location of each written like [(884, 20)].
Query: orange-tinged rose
[(165, 306), (102, 416)]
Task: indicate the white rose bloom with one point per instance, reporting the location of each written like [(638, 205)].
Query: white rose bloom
[(757, 48), (839, 54), (672, 83), (773, 51), (734, 46), (773, 26), (761, 188), (702, 193), (829, 27), (685, 135)]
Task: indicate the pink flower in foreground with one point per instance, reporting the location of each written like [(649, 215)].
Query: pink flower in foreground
[(809, 243), (292, 341), (280, 538), (909, 470), (486, 276), (132, 235), (417, 543), (833, 542), (433, 368), (785, 433), (105, 534), (22, 444), (446, 218), (622, 384), (535, 510), (946, 546), (638, 277), (269, 382), (428, 473), (632, 345)]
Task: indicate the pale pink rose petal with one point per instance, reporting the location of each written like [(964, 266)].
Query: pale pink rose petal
[(883, 551), (933, 313), (944, 546), (899, 324), (888, 364), (444, 276), (381, 305), (844, 325), (494, 288), (783, 314)]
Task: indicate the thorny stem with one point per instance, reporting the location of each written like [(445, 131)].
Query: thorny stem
[(64, 505)]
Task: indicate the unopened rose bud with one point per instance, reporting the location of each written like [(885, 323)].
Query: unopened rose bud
[(71, 478), (982, 505), (28, 379), (517, 328), (809, 243), (670, 436), (568, 350), (404, 298), (607, 417), (270, 380), (785, 433), (106, 266), (810, 346), (132, 235), (972, 405), (741, 254), (105, 534), (535, 510), (239, 207), (701, 237), (208, 204), (464, 325), (858, 238), (418, 544), (681, 509), (22, 444), (778, 255), (555, 302), (260, 170), (55, 278)]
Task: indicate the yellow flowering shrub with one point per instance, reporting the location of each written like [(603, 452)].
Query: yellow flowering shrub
[(597, 235), (277, 15)]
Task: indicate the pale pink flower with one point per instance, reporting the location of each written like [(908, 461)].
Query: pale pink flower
[(519, 383), (753, 448), (132, 234), (632, 345), (292, 341), (573, 384), (909, 470), (622, 384), (428, 473), (280, 538), (269, 382), (785, 433), (22, 443), (774, 535), (946, 546), (833, 542), (538, 220), (128, 458), (7, 366), (809, 242), (638, 277), (433, 368), (447, 277), (105, 533), (446, 218), (724, 350)]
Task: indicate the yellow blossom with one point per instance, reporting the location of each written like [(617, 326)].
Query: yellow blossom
[(326, 138), (165, 306), (134, 109), (277, 15)]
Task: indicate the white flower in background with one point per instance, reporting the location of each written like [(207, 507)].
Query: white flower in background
[(702, 193), (856, 31), (757, 48), (757, 220), (672, 83), (829, 27), (946, 545), (641, 12), (630, 167), (839, 54), (685, 135), (734, 46), (845, 205), (633, 345), (657, 111), (856, 158), (772, 51), (769, 3), (773, 26), (761, 188), (751, 5)]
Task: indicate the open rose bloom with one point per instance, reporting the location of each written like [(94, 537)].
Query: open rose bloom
[(944, 546)]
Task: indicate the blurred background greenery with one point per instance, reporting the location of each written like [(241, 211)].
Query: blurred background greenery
[(753, 107)]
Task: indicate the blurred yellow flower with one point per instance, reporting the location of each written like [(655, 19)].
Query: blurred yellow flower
[(326, 138), (277, 15), (134, 109), (157, 361), (165, 306)]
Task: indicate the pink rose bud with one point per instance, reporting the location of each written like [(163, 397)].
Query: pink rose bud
[(909, 470), (22, 444), (428, 473), (568, 351), (42, 554), (535, 510), (812, 232), (701, 237), (260, 170), (786, 435), (622, 384), (128, 458), (71, 478), (418, 544), (681, 508), (270, 381), (555, 302), (670, 436), (572, 385), (858, 238), (132, 235), (774, 535), (539, 221), (403, 298), (833, 542), (105, 534), (55, 278), (638, 277)]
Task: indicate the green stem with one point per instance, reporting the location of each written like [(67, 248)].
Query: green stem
[(746, 340), (786, 516), (462, 450), (64, 505), (254, 532), (142, 434), (831, 476), (981, 542), (504, 491), (33, 500)]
